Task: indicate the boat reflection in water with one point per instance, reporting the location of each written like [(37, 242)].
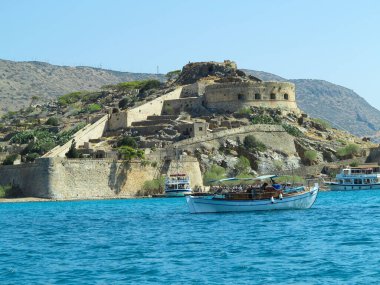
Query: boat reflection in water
[(254, 198)]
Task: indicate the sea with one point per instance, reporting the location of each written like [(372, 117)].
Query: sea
[(157, 241)]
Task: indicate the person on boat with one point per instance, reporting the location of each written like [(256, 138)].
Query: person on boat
[(264, 186), (276, 185)]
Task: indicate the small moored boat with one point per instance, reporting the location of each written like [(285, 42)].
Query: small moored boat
[(266, 197)]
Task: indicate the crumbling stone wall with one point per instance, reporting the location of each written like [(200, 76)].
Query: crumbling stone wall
[(140, 113)]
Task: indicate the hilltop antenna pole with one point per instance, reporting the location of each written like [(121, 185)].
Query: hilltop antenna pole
[(158, 70)]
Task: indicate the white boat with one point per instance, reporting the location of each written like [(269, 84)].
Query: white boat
[(177, 185), (256, 199), (355, 178)]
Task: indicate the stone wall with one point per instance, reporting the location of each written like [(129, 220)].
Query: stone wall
[(176, 106), (273, 136), (236, 95), (140, 113), (93, 131), (32, 178), (61, 178)]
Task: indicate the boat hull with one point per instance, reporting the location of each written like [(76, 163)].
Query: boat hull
[(209, 204), (178, 193), (348, 187)]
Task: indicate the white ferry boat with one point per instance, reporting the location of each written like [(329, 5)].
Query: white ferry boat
[(177, 185), (355, 178)]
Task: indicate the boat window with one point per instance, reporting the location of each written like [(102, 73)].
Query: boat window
[(357, 181), (348, 181)]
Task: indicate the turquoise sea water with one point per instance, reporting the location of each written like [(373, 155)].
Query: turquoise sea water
[(156, 241)]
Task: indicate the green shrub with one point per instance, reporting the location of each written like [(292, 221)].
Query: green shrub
[(245, 111), (65, 136), (92, 108), (40, 146), (292, 130), (30, 157), (128, 153), (127, 141), (242, 166), (52, 121), (348, 151), (142, 85), (266, 119), (216, 172), (123, 103), (354, 163), (154, 186), (310, 156), (9, 191), (91, 97), (10, 159), (322, 122), (9, 115), (252, 144), (70, 98)]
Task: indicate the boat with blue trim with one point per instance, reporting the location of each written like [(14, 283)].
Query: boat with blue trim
[(355, 178), (255, 197)]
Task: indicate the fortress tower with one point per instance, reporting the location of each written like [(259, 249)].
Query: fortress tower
[(233, 96)]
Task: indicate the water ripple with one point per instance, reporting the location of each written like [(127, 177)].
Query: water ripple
[(150, 241)]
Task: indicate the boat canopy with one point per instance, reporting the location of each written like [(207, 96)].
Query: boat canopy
[(262, 177)]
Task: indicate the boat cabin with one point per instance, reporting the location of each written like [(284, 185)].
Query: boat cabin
[(357, 176)]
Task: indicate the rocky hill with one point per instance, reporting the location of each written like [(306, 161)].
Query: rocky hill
[(20, 81), (340, 106)]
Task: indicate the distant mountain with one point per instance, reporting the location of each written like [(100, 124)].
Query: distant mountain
[(340, 106), (20, 81)]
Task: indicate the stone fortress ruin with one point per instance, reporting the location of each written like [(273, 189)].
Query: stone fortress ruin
[(234, 96), (182, 117)]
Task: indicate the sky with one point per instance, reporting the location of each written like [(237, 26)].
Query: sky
[(333, 40)]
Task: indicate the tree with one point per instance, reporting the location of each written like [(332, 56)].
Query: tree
[(73, 152)]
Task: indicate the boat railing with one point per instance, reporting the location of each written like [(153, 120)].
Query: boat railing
[(175, 181)]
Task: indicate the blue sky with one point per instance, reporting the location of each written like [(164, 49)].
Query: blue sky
[(334, 40)]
